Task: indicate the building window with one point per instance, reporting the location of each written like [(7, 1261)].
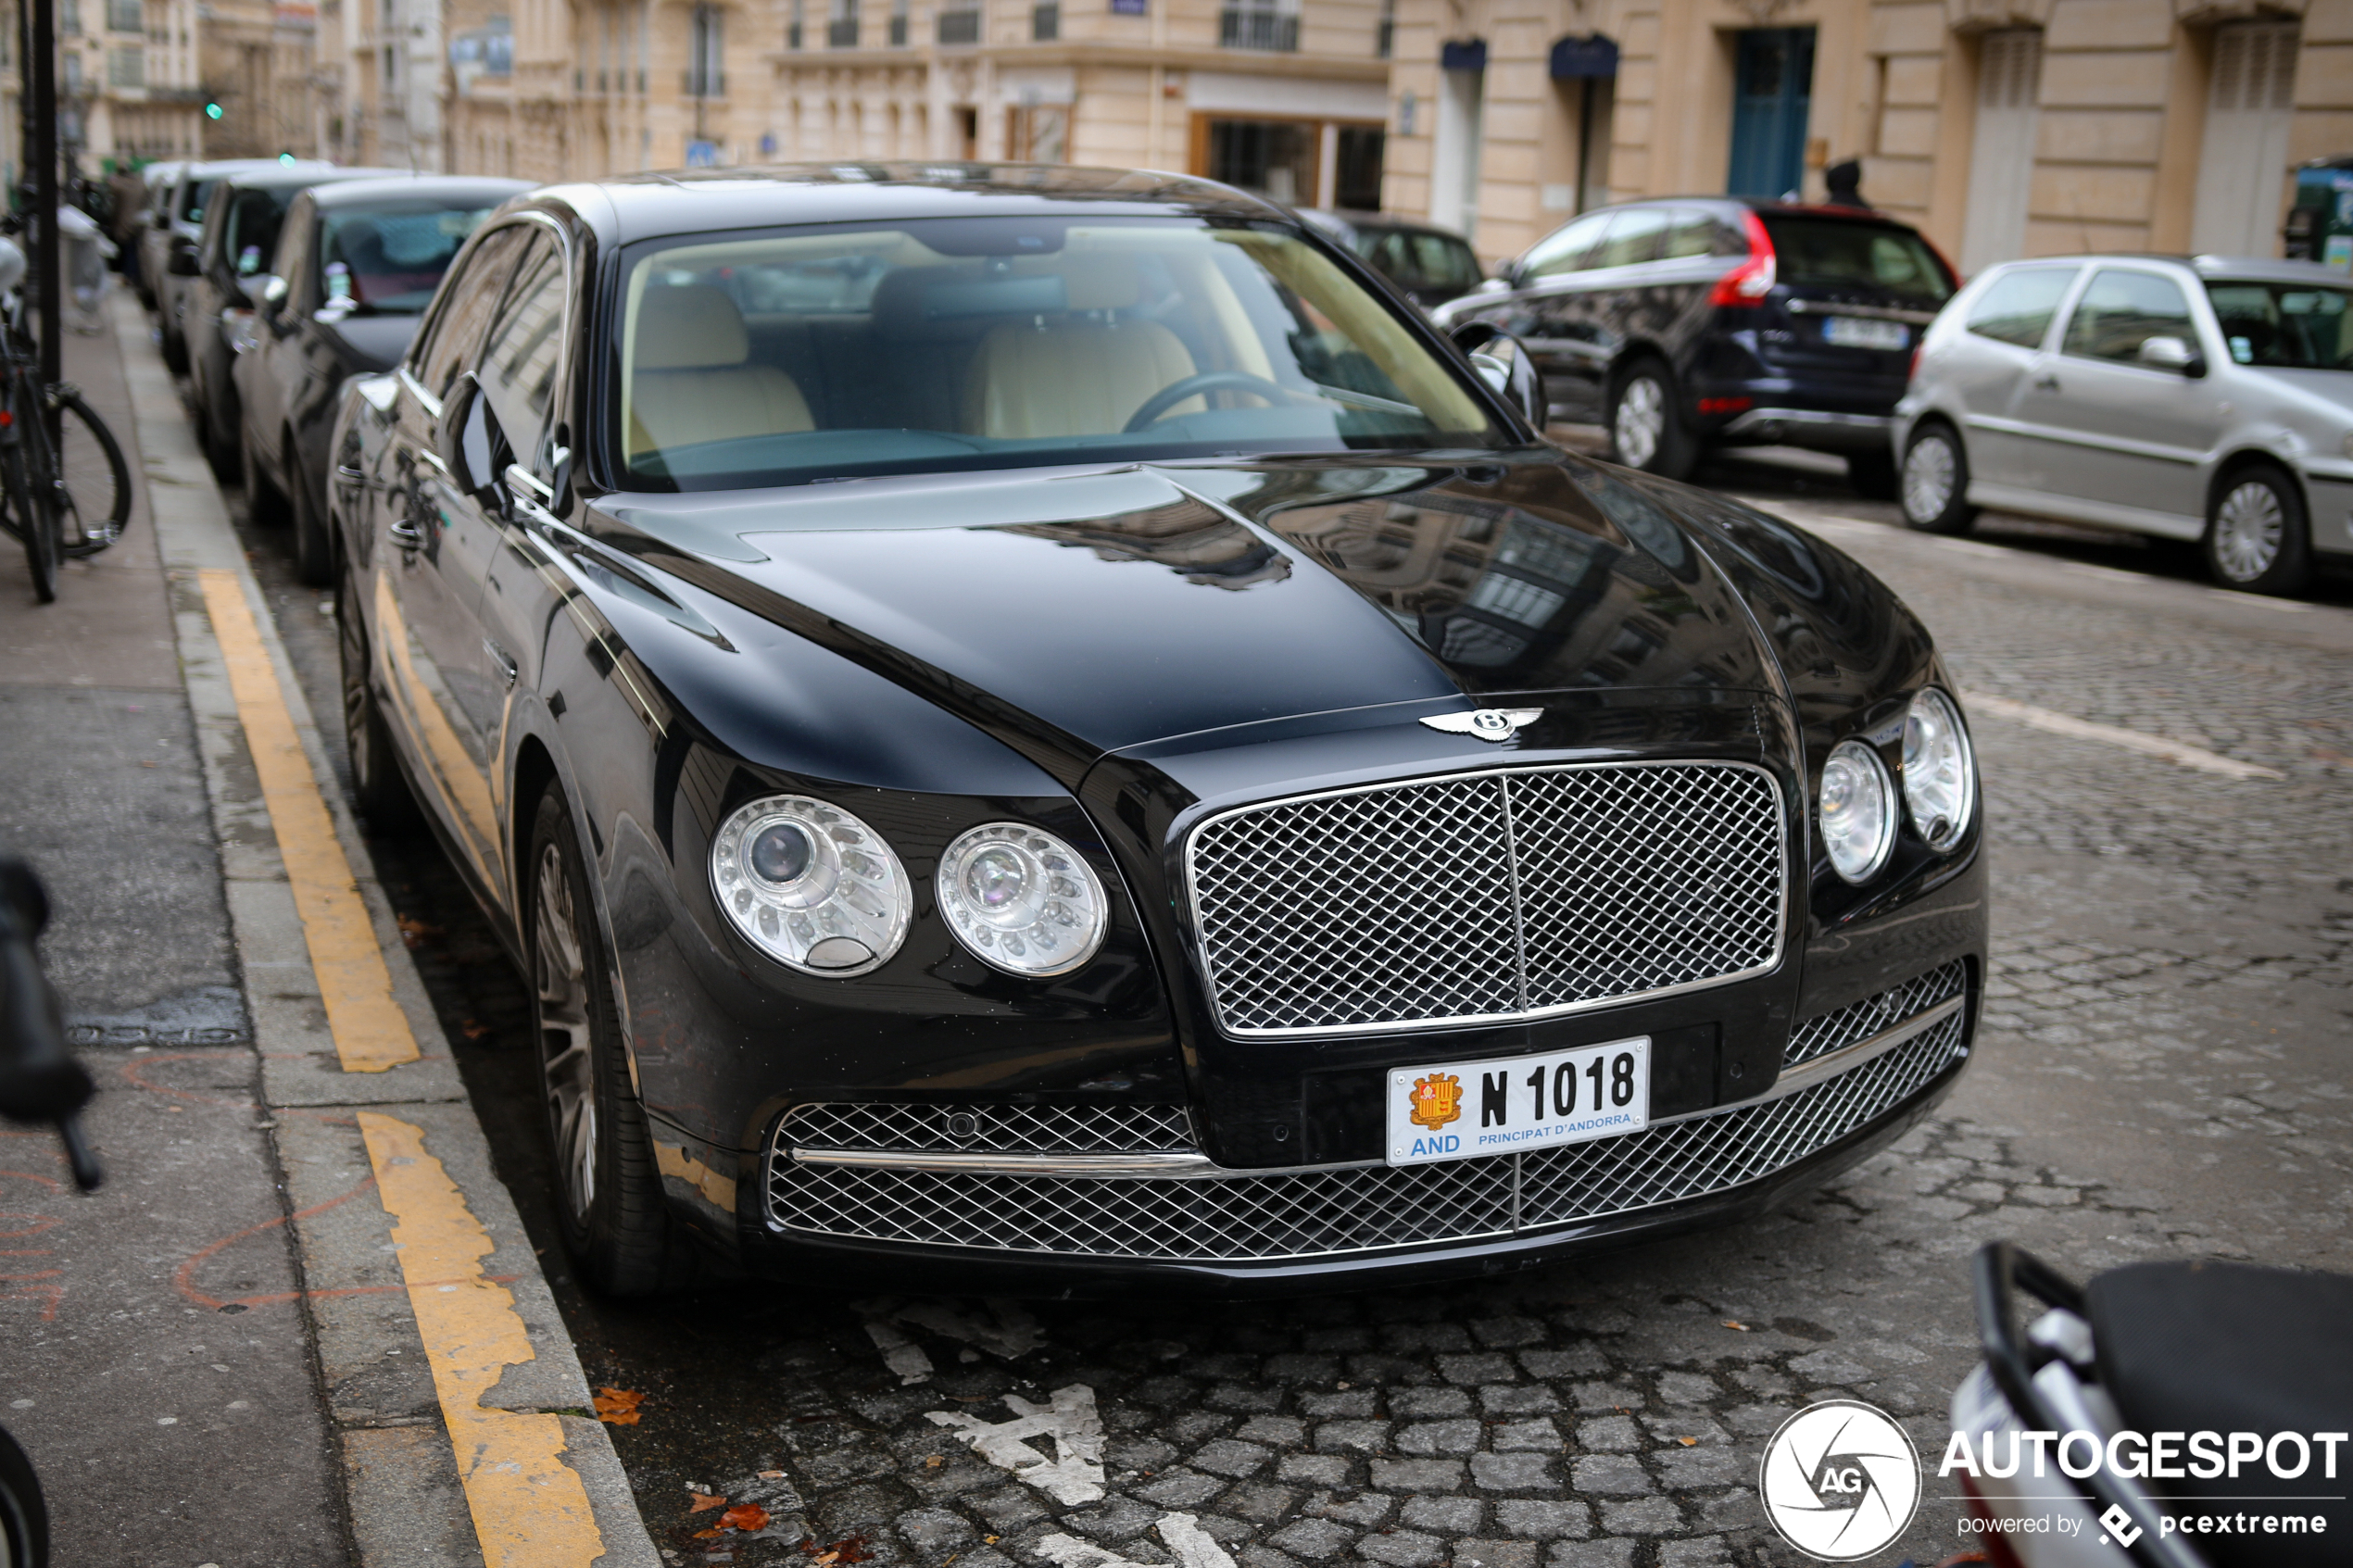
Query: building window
[(841, 32), (898, 24), (71, 85), (2010, 77), (1038, 134), (2243, 156), (69, 23), (1046, 21), (793, 28), (127, 67), (126, 16), (706, 60), (959, 24), (1385, 31), (1259, 26)]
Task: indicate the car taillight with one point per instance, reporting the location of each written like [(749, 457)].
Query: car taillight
[(1750, 282), (1913, 374)]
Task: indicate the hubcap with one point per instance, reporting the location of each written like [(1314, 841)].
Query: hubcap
[(1642, 421), (567, 1069), (1927, 479), (2248, 529)]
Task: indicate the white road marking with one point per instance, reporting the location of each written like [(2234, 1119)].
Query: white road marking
[(1195, 1548), (2174, 751), (901, 1354), (1075, 1472)]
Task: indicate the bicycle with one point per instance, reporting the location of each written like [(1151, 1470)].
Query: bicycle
[(65, 487)]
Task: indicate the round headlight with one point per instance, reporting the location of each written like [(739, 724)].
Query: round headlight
[(1940, 776), (1022, 899), (810, 886), (1856, 807)]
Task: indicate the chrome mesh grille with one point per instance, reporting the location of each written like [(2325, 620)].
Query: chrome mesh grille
[(1314, 1213), (1490, 895), (996, 1129), (1859, 1021)]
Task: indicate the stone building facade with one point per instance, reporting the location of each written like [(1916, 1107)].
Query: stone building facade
[(2001, 127)]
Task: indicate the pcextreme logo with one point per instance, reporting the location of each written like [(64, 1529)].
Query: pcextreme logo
[(1840, 1480)]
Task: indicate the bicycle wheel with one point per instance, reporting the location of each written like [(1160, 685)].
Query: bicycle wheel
[(96, 476), (35, 511)]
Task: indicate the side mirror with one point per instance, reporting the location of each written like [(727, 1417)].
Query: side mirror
[(184, 262), (1503, 363), (2172, 354), (462, 441)]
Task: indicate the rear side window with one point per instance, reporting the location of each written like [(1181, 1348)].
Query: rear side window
[(1567, 249), (1634, 236), (2018, 307), (1840, 253), (2122, 310), (465, 312)]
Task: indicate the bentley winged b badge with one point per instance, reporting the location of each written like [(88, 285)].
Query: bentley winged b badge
[(1497, 724)]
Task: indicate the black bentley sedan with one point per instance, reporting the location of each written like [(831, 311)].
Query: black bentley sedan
[(356, 263), (1034, 723), (1689, 323)]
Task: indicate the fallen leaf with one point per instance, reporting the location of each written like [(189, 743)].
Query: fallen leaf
[(989, 1540), (705, 1501), (744, 1516), (415, 932), (710, 1534), (1689, 1442), (1741, 1326), (934, 1462), (473, 1031), (618, 1406), (772, 1476)]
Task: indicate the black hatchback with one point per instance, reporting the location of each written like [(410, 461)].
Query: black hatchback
[(1684, 323)]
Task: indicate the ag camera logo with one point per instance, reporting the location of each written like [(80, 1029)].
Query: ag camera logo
[(1840, 1480)]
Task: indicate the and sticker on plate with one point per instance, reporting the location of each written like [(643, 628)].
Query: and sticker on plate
[(1468, 1109)]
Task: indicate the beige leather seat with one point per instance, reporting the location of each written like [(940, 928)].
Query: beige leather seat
[(690, 381), (1081, 373)]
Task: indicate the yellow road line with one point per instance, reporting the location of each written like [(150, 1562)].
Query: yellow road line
[(530, 1509), (371, 1031)]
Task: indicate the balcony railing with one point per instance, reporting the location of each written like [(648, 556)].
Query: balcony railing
[(960, 26), (1045, 22), (842, 34), (1258, 29)]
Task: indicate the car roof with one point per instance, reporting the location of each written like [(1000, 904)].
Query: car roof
[(703, 200), (277, 176), (353, 191), (1384, 222), (2250, 269)]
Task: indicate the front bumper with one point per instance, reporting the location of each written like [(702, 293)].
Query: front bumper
[(1102, 1219)]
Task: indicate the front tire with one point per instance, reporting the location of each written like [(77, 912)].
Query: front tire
[(2256, 540), (1934, 481), (1646, 429), (610, 1206)]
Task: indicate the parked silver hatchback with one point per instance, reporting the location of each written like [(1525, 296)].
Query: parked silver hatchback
[(2206, 399)]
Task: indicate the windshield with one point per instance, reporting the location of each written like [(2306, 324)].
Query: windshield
[(1840, 253), (953, 343), (2286, 326), (388, 261)]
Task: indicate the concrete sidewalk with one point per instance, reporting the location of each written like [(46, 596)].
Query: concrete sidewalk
[(255, 1344)]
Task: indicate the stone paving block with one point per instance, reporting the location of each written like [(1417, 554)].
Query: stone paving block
[(1544, 1520), (1180, 1488), (1262, 1503), (1417, 1474), (1229, 1458), (1513, 1472), (1526, 1398), (1113, 1519), (1340, 1402), (1610, 1433), (934, 1531), (1485, 1368), (1283, 1431), (1591, 1554), (1644, 1516), (1313, 1470), (1611, 1475), (1353, 1436), (1405, 1548), (1409, 1403), (1447, 1516), (1497, 1554), (1438, 1437), (1313, 1538)]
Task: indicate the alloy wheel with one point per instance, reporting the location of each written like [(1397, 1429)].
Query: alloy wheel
[(567, 1060), (1927, 479), (2249, 529), (1642, 421)]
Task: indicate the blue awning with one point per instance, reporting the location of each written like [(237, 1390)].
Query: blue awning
[(1470, 55), (1576, 58)]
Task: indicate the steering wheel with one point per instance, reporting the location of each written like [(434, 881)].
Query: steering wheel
[(1176, 392)]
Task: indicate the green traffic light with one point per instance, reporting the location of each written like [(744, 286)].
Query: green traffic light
[(212, 111), (285, 157)]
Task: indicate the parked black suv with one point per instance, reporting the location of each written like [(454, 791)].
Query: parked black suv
[(1694, 322)]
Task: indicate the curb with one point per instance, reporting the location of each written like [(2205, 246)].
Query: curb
[(394, 1390)]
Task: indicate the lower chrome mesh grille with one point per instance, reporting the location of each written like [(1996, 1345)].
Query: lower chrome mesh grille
[(1222, 1217), (1861, 1021), (996, 1129)]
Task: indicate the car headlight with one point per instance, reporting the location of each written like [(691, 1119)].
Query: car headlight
[(1022, 899), (1856, 809), (810, 886), (1940, 776)]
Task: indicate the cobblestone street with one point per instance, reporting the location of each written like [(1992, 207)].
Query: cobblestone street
[(2160, 1073)]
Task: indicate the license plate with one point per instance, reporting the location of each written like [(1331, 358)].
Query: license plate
[(1465, 1109), (1862, 331)]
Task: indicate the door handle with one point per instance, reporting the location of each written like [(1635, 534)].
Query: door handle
[(404, 535), (500, 661), (2046, 381)]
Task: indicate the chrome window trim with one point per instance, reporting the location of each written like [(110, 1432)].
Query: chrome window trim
[(1197, 951)]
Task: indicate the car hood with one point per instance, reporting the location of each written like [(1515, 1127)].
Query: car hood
[(1080, 612), (368, 343)]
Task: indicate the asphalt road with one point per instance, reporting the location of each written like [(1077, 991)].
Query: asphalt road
[(2160, 1075)]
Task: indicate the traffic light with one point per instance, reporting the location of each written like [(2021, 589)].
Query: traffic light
[(212, 111)]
